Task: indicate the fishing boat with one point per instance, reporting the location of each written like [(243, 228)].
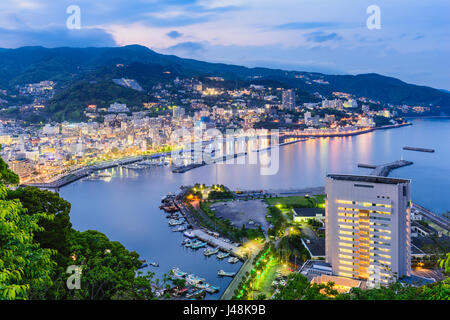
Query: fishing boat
[(210, 252), (174, 222), (223, 255), (189, 234), (212, 289), (196, 281), (198, 294), (169, 208), (226, 274), (233, 260), (168, 197), (154, 264), (177, 273), (197, 244), (179, 229)]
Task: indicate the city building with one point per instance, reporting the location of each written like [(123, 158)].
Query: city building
[(288, 99), (367, 223)]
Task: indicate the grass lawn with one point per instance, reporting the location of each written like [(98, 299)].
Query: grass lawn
[(290, 202)]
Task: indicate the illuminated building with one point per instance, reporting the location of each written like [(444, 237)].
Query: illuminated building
[(288, 99), (367, 225)]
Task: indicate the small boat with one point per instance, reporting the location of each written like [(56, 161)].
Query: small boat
[(174, 222), (212, 289), (198, 294), (226, 274), (189, 234), (143, 266), (223, 255), (154, 264), (233, 260), (210, 252), (179, 229), (185, 242), (195, 280), (177, 273), (169, 208), (197, 244)]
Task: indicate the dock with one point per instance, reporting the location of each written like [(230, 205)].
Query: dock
[(384, 169), (418, 149), (217, 243)]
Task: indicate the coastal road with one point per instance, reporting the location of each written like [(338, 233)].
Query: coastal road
[(438, 220), (246, 267)]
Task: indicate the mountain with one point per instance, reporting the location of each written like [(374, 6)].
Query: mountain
[(76, 68)]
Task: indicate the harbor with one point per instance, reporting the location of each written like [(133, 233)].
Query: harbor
[(126, 208)]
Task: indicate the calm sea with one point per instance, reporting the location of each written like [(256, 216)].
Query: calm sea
[(126, 207)]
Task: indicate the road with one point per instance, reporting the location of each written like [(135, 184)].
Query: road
[(438, 220)]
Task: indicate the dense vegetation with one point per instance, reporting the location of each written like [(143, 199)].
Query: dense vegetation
[(299, 288), (38, 244)]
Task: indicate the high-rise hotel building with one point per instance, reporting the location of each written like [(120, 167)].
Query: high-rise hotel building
[(367, 227), (288, 99)]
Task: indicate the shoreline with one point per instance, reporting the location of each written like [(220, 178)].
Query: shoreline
[(86, 170)]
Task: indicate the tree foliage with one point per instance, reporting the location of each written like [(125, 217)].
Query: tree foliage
[(25, 268)]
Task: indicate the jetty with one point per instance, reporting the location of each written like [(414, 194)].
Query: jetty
[(384, 169), (418, 149)]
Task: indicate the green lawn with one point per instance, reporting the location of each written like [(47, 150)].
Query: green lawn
[(292, 202)]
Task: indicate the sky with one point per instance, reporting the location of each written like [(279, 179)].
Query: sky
[(329, 36)]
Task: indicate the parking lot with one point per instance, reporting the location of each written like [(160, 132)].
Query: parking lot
[(252, 213)]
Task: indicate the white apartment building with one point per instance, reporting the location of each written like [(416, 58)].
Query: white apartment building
[(367, 227)]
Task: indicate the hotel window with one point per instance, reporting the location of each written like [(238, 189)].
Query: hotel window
[(346, 238), (345, 250), (346, 268), (346, 232), (344, 201), (343, 244), (346, 262), (345, 274), (345, 256)]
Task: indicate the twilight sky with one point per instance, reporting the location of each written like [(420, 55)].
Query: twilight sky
[(327, 36)]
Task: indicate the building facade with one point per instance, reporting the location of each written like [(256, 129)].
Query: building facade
[(288, 100), (367, 227)]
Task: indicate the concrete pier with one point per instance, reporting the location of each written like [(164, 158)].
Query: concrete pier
[(384, 169)]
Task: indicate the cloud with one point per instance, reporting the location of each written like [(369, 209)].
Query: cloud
[(320, 36), (186, 49), (305, 25), (56, 37), (174, 34)]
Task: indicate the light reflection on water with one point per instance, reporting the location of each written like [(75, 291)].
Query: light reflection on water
[(126, 208)]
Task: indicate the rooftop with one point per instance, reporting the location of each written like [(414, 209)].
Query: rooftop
[(316, 247), (308, 212), (369, 179)]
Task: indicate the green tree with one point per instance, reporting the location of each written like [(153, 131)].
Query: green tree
[(56, 232), (109, 270), (25, 268), (7, 176)]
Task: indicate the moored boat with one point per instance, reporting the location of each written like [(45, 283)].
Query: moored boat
[(233, 260), (189, 234), (179, 229), (210, 252), (174, 222), (223, 255), (226, 274), (197, 244)]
